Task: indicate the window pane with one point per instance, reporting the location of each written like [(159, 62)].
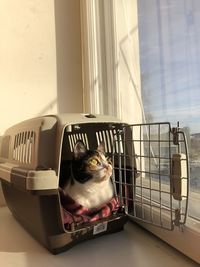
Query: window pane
[(169, 37)]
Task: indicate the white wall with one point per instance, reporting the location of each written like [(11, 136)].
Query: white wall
[(40, 59), (27, 60)]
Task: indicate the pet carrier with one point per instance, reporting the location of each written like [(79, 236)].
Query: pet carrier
[(150, 175)]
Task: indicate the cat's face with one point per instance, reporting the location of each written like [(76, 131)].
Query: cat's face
[(90, 164)]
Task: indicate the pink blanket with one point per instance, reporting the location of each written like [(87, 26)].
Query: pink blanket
[(75, 214)]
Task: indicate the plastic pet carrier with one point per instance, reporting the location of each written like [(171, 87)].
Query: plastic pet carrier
[(150, 175)]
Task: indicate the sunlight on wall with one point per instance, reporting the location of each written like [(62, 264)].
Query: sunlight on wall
[(28, 60), (40, 59)]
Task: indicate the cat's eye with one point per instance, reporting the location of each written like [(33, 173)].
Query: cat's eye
[(93, 162)]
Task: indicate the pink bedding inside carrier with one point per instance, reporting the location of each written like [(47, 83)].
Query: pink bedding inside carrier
[(75, 214)]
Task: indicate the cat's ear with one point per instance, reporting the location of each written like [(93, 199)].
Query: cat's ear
[(79, 150), (101, 147)]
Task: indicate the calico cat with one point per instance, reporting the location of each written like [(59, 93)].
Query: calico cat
[(90, 184)]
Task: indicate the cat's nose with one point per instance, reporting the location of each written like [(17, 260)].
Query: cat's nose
[(106, 166)]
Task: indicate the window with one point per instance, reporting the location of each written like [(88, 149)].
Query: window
[(169, 63), (146, 59), (169, 47)]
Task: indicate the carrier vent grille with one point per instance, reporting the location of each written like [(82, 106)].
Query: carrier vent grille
[(112, 141), (73, 138), (23, 147)]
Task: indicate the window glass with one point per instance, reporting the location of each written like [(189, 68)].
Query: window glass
[(169, 43)]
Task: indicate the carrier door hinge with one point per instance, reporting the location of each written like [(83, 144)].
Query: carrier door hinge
[(177, 220), (177, 217), (175, 132)]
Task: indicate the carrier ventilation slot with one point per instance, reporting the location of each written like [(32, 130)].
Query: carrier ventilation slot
[(23, 147), (111, 141), (73, 138)]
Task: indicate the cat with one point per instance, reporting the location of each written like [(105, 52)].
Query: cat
[(90, 184)]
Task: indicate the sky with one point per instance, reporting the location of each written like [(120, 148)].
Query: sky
[(169, 37)]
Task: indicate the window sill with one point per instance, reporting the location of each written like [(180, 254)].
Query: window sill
[(133, 246), (186, 240)]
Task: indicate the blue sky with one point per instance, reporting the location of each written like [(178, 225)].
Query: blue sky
[(169, 35)]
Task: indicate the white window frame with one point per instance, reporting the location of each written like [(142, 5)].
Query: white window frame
[(97, 77), (103, 75), (106, 75)]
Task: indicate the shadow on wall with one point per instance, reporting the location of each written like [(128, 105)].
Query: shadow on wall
[(68, 56), (47, 109)]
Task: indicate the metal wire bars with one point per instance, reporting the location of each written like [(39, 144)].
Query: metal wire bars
[(151, 173)]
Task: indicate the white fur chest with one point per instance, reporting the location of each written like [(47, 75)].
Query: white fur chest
[(90, 194)]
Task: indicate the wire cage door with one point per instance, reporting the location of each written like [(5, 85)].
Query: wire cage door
[(151, 173)]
